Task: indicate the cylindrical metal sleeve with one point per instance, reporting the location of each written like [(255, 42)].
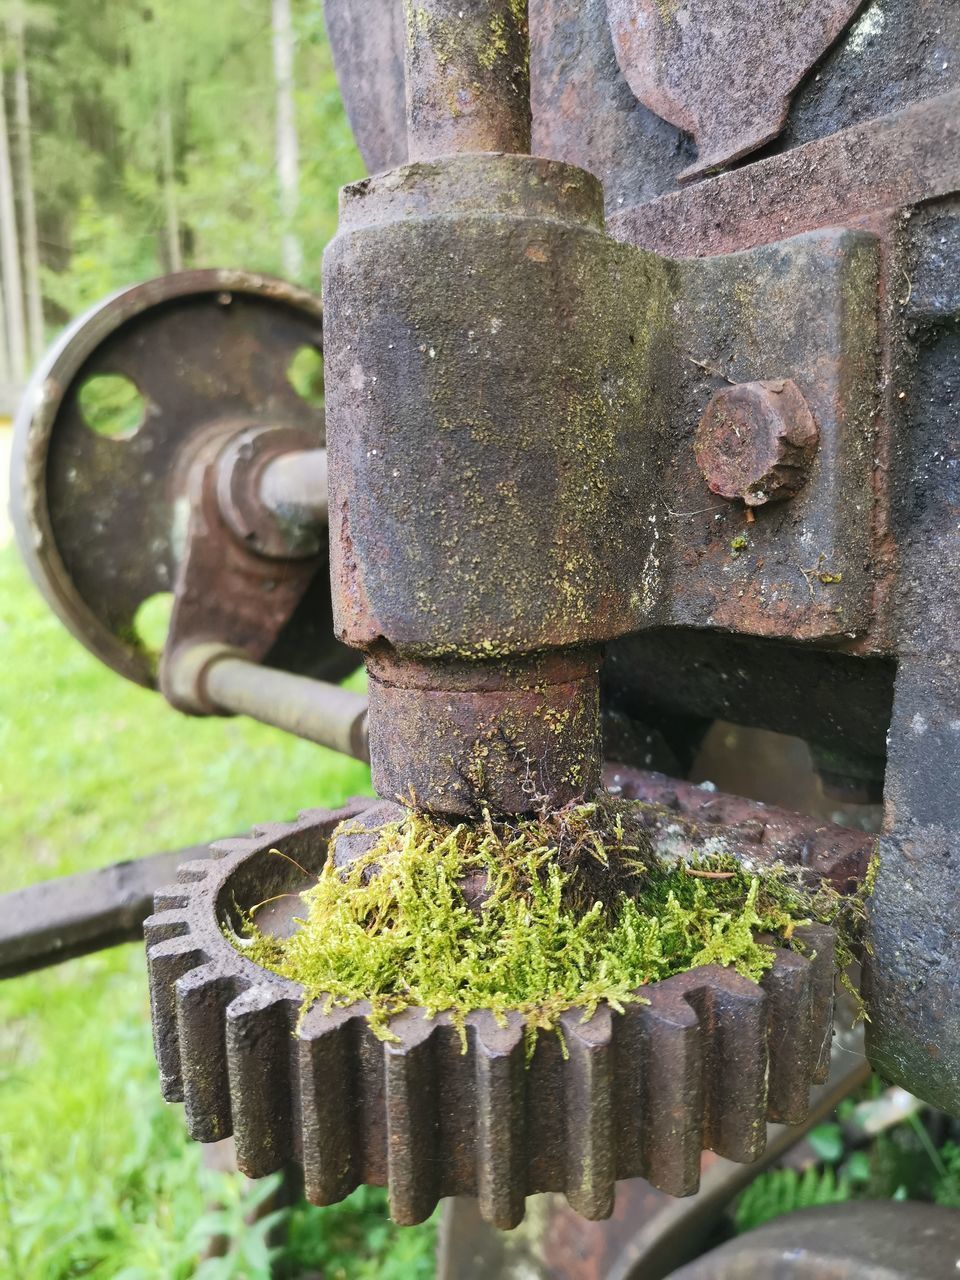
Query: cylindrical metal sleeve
[(513, 738), (468, 76), (488, 355)]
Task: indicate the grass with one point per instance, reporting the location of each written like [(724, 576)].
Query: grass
[(97, 1178)]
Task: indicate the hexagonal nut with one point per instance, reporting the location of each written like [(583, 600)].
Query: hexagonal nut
[(756, 441)]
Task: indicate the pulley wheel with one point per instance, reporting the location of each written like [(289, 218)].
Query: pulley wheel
[(107, 429)]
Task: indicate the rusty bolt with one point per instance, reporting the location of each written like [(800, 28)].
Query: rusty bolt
[(756, 441)]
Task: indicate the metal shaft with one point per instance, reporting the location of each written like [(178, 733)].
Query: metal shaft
[(293, 487), (468, 77), (323, 713)]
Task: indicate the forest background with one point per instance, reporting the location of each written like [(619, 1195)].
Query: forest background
[(139, 138)]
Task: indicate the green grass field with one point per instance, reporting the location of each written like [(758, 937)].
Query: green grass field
[(97, 1178)]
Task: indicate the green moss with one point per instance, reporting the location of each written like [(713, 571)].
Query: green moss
[(873, 870), (538, 916), (738, 545)]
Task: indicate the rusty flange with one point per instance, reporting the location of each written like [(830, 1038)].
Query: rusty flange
[(101, 518), (703, 1064)]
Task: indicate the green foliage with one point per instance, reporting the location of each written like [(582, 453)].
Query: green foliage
[(783, 1191), (947, 1188), (306, 375), (111, 405), (899, 1163), (575, 910), (827, 1141), (355, 1240), (97, 1177), (113, 84)]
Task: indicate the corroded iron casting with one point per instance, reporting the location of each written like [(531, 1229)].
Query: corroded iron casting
[(703, 1063), (596, 452)]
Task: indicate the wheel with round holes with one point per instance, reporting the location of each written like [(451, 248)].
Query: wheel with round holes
[(108, 427)]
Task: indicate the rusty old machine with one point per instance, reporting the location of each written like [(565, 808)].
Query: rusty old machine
[(641, 365)]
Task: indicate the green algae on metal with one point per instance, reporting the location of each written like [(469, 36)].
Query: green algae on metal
[(538, 915)]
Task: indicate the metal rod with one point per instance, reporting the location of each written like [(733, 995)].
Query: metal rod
[(293, 487), (468, 77), (57, 920), (323, 713)]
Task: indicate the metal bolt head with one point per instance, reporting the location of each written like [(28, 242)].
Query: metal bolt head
[(756, 441)]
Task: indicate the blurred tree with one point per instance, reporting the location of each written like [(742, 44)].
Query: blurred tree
[(16, 330), (147, 135), (288, 144), (18, 17)]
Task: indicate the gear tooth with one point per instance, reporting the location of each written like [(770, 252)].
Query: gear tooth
[(328, 1105), (588, 1104), (163, 925), (171, 897), (272, 831), (499, 1073), (669, 1119), (789, 1022), (546, 1139), (201, 998), (821, 942), (167, 961), (413, 1163), (371, 1091), (330, 819), (733, 1022), (260, 1055), (225, 848), (193, 871)]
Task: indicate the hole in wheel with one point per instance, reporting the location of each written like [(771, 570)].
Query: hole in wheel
[(151, 623), (112, 406), (305, 375)]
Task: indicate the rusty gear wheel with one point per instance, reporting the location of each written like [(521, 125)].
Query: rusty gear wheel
[(704, 1064), (100, 519)]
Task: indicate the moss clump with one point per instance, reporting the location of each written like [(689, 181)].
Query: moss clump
[(538, 915)]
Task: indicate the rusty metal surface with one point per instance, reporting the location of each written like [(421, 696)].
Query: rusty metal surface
[(313, 709), (756, 441), (808, 309), (474, 517), (98, 519), (910, 155), (443, 400), (838, 702), (700, 1066), (502, 736), (467, 77), (685, 815), (649, 1232), (57, 920), (226, 592), (585, 113), (896, 53), (725, 72), (283, 521), (528, 537), (367, 39), (911, 982), (841, 1242), (293, 489)]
